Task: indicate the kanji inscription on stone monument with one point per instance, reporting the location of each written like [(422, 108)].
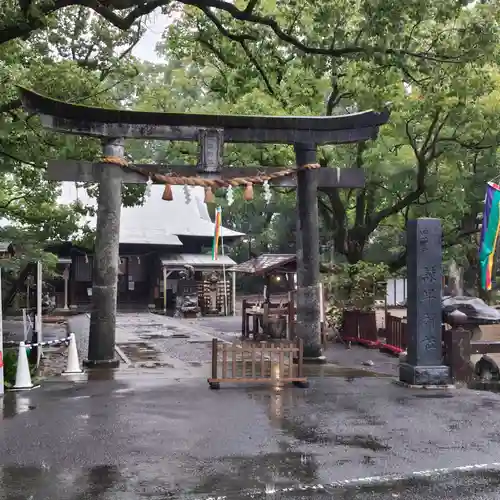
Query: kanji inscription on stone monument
[(424, 360)]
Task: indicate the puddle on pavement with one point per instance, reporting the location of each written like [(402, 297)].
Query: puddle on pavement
[(156, 364), (261, 472), (435, 395), (358, 441), (100, 374), (330, 370), (153, 336), (139, 351), (313, 434), (15, 404), (31, 482), (279, 401)]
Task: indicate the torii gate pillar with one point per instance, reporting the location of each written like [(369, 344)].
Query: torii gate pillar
[(101, 351), (307, 247)]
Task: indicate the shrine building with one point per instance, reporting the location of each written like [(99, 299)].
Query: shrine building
[(157, 240)]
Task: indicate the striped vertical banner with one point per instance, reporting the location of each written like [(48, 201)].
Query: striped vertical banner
[(217, 229), (489, 234)]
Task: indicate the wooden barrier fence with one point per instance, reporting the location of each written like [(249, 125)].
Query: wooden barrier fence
[(396, 331), (359, 325), (268, 362)]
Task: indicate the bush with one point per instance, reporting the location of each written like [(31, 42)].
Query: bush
[(10, 367), (354, 286)]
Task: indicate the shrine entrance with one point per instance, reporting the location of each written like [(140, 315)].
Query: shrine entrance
[(113, 127), (134, 282)]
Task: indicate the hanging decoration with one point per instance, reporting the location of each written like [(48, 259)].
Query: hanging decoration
[(212, 183), (167, 193), (187, 194), (267, 195), (209, 195), (230, 195), (248, 193), (149, 183), (489, 233)]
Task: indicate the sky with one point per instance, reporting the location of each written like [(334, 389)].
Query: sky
[(145, 49)]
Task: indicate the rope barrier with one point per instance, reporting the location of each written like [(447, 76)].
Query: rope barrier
[(12, 343)]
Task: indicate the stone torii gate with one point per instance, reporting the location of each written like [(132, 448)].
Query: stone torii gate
[(112, 127)]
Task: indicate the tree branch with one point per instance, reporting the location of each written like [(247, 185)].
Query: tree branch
[(17, 198), (253, 18), (422, 167), (20, 160), (260, 69), (16, 28), (216, 52)]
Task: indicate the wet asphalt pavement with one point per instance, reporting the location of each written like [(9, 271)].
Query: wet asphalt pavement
[(160, 433), (152, 437)]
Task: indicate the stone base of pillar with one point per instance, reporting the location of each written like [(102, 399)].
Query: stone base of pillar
[(105, 364), (424, 375)]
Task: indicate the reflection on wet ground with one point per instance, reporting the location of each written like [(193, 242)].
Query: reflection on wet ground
[(22, 482), (100, 375), (264, 478), (15, 403), (118, 439), (331, 370)]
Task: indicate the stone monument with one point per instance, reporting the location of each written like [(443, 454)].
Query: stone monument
[(213, 281), (186, 302), (424, 365)]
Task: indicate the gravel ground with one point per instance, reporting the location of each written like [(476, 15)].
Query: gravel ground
[(148, 338), (229, 329), (176, 338), (170, 338)]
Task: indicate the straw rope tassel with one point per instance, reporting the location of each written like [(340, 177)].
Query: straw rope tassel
[(167, 193), (248, 193), (209, 195)]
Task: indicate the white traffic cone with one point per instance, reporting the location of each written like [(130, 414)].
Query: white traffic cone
[(73, 363), (23, 377)]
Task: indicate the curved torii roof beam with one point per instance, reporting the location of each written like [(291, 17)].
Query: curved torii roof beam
[(101, 122)]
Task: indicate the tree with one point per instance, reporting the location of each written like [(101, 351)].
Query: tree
[(375, 29), (81, 59), (442, 113)]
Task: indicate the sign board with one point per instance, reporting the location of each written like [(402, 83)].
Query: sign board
[(396, 292)]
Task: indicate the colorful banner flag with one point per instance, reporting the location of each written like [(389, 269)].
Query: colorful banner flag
[(489, 233), (217, 228)]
